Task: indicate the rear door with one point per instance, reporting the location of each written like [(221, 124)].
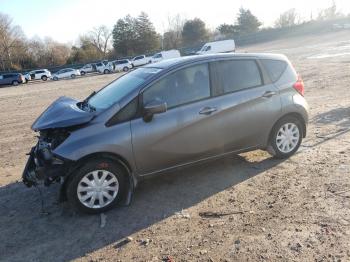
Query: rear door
[(8, 78), (249, 104), (186, 132)]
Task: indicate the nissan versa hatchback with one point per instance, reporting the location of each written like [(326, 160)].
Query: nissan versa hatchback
[(164, 116)]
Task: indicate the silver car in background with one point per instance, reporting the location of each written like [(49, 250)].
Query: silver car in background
[(164, 116)]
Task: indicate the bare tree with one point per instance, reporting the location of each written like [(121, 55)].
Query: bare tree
[(100, 37), (287, 19), (11, 38), (329, 13), (172, 38)]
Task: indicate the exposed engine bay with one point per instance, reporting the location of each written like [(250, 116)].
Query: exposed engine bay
[(42, 163)]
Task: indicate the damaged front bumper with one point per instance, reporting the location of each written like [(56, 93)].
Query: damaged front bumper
[(43, 165)]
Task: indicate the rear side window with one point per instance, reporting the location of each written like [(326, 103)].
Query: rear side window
[(235, 75), (275, 68), (9, 76), (181, 87)]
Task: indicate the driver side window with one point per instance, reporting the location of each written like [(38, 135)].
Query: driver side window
[(181, 87)]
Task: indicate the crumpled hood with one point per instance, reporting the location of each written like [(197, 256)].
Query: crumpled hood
[(64, 112)]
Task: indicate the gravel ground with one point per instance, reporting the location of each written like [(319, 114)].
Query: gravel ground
[(244, 207)]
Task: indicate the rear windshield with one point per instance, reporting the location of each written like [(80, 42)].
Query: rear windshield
[(119, 88), (275, 68)]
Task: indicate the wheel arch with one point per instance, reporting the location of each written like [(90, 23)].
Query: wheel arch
[(131, 179), (291, 114)]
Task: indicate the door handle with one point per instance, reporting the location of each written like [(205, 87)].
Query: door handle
[(268, 94), (207, 110)]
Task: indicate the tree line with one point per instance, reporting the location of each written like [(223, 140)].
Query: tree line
[(128, 37)]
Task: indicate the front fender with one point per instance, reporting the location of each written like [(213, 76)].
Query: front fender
[(97, 138)]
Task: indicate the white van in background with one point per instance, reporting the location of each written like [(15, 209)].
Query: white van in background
[(163, 55), (224, 46)]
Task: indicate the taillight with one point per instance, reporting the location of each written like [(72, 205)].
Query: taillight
[(299, 86)]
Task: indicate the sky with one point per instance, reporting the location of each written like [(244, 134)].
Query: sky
[(65, 20)]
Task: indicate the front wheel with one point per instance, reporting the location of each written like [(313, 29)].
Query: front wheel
[(82, 73), (286, 137), (97, 186), (106, 71), (44, 78), (126, 69), (15, 83), (72, 75)]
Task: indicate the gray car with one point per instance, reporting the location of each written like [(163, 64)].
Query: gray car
[(164, 116), (11, 79)]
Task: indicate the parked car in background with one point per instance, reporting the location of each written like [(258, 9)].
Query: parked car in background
[(104, 67), (164, 55), (158, 118), (11, 79), (42, 74), (88, 68), (139, 60), (224, 46), (27, 77), (122, 65), (66, 73)]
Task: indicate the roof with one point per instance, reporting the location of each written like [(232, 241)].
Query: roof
[(196, 58)]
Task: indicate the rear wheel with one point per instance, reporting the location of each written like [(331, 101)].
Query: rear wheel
[(82, 73), (44, 78), (126, 69), (55, 78), (97, 186), (106, 71), (15, 83), (286, 137), (72, 75)]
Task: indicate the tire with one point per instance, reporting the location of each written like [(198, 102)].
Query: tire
[(100, 167), (72, 76), (285, 137), (26, 80), (106, 71), (125, 69), (82, 73), (15, 83), (44, 78), (55, 78)]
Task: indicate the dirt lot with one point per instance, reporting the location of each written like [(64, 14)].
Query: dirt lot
[(292, 210)]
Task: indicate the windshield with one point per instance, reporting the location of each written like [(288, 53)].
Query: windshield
[(159, 55), (119, 88), (204, 48)]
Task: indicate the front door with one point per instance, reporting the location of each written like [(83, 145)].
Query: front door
[(186, 132)]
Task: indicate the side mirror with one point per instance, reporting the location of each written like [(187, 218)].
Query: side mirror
[(152, 108)]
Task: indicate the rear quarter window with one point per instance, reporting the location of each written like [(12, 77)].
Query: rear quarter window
[(274, 68)]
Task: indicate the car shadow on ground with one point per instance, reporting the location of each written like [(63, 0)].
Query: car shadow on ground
[(28, 234), (339, 117)]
